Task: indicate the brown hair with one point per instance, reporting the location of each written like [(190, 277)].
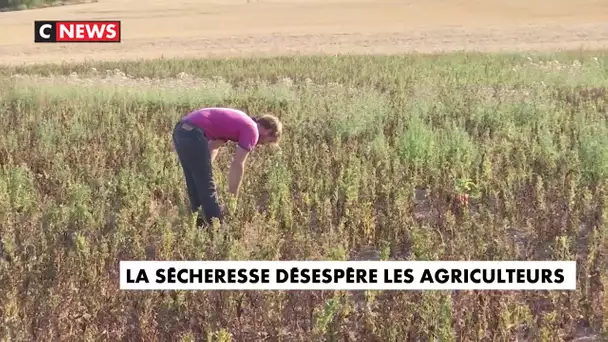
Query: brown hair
[(272, 123)]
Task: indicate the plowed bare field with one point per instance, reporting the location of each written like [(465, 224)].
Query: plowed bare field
[(206, 28)]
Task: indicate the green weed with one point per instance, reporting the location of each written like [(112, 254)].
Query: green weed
[(88, 178)]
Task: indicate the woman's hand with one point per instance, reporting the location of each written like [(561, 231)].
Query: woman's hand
[(230, 206), (231, 203)]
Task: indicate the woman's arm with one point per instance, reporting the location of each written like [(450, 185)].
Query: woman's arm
[(214, 146), (237, 170)]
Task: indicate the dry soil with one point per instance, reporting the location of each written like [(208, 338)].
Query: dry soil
[(207, 28)]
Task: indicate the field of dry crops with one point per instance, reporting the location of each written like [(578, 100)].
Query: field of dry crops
[(217, 28), (375, 149)]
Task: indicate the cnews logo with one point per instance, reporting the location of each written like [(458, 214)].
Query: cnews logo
[(77, 31)]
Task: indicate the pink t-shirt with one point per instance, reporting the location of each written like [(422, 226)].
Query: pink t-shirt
[(226, 124)]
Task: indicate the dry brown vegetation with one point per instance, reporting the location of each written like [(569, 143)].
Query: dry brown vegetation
[(367, 169), (369, 163), (213, 28)]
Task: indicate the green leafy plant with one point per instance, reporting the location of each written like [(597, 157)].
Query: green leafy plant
[(88, 178)]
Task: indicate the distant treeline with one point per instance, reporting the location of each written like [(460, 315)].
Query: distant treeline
[(7, 5)]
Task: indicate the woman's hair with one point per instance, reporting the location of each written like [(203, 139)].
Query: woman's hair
[(271, 123)]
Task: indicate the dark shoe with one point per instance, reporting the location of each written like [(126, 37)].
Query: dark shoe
[(200, 222)]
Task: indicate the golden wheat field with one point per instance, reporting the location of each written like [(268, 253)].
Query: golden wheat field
[(391, 109), (218, 28)]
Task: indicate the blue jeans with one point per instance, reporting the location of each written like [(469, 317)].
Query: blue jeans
[(192, 148)]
